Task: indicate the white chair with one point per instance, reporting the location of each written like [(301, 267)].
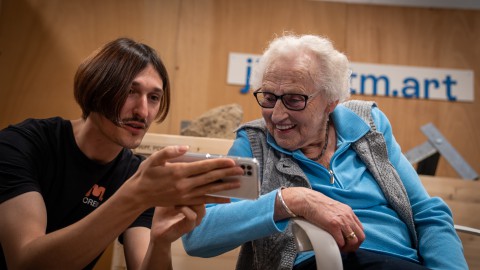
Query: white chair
[(327, 254), (465, 229), (310, 237)]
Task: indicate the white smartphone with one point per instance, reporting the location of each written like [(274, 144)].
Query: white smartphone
[(250, 180)]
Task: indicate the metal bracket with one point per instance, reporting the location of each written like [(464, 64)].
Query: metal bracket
[(428, 154)]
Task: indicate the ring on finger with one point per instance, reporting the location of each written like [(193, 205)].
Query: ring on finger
[(352, 235)]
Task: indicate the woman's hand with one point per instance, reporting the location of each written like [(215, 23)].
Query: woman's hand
[(336, 218)]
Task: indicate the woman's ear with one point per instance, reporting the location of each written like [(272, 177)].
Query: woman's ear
[(331, 106)]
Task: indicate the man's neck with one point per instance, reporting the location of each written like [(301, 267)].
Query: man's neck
[(93, 143)]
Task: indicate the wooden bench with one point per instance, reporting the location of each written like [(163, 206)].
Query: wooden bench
[(462, 196)]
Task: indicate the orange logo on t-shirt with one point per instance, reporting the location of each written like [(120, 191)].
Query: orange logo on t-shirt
[(96, 191)]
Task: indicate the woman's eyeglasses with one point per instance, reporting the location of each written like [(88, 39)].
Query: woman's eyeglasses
[(294, 102)]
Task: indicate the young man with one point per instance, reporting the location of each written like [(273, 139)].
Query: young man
[(69, 188)]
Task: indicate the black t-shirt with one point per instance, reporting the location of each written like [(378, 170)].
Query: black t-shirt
[(41, 155)]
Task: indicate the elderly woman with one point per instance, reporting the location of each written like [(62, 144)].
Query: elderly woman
[(312, 167)]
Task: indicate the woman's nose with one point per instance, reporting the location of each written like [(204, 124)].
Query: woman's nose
[(279, 111)]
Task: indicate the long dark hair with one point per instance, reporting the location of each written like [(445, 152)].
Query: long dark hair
[(103, 80)]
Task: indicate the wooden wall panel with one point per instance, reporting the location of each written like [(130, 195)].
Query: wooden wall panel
[(427, 38), (209, 32), (42, 43)]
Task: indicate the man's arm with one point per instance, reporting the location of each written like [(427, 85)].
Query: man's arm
[(23, 218), (151, 249), (23, 221)]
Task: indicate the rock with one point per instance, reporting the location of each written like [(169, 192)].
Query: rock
[(219, 122)]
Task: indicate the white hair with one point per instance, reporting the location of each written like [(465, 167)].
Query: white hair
[(332, 75)]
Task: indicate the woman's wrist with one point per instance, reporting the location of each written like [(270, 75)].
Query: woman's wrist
[(282, 210)]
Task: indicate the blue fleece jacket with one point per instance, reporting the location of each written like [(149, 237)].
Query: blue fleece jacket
[(228, 226)]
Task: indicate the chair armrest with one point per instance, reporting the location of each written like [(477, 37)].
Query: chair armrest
[(465, 229), (309, 236), (327, 255)]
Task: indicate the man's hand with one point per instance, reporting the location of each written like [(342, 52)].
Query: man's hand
[(170, 223), (160, 183)]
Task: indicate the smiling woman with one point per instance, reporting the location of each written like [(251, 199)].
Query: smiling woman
[(328, 161)]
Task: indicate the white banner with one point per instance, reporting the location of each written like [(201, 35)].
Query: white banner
[(380, 80)]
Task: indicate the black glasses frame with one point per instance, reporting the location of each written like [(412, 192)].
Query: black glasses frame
[(258, 91)]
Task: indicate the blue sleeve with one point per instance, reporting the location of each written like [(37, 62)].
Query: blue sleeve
[(439, 244), (241, 145), (227, 226)]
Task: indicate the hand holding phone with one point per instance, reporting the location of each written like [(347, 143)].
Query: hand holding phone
[(249, 181)]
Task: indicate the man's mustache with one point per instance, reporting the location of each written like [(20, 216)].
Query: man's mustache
[(133, 119)]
